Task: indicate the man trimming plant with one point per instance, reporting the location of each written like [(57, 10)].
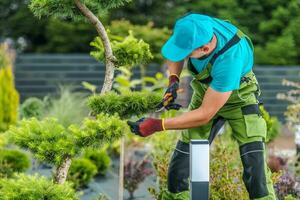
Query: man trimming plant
[(220, 59)]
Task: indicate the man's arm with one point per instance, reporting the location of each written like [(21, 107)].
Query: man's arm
[(213, 101), (175, 67)]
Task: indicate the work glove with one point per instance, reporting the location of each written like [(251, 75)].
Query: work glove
[(170, 95), (146, 126)]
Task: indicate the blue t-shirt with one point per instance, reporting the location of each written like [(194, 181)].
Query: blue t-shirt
[(233, 64)]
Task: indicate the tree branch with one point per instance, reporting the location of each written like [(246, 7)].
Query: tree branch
[(109, 57)]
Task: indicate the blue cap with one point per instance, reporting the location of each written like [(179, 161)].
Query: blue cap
[(189, 33)]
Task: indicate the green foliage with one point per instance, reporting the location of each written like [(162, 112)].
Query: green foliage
[(32, 107), (48, 140), (268, 23), (113, 149), (42, 35), (67, 8), (18, 23), (150, 34), (126, 105), (99, 158), (3, 140), (69, 108), (129, 51), (79, 36), (289, 197), (9, 97), (274, 54), (273, 124), (12, 161), (157, 83), (34, 187), (293, 30), (124, 83), (96, 132), (101, 197), (163, 146), (90, 87), (226, 176), (81, 172)]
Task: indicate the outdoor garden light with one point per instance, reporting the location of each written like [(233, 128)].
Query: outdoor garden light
[(199, 169), (199, 163)]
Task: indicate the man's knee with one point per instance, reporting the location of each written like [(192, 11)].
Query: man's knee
[(178, 172), (254, 177)]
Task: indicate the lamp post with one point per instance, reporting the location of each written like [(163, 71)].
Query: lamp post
[(199, 163)]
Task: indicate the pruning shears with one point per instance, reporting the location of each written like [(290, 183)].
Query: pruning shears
[(165, 104)]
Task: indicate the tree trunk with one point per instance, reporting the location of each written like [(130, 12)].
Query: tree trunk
[(109, 75), (109, 57), (62, 170)]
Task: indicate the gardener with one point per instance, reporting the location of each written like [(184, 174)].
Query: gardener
[(220, 60)]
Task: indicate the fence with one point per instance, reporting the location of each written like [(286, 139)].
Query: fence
[(39, 74), (270, 80)]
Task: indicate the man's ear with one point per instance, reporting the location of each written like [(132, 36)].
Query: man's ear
[(205, 48)]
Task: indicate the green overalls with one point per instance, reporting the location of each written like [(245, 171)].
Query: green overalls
[(249, 129)]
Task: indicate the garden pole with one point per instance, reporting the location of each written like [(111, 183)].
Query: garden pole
[(121, 169), (199, 163)]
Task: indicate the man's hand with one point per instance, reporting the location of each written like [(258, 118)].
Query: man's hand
[(146, 126), (171, 93), (212, 102)]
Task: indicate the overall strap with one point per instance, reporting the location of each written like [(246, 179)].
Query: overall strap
[(234, 40)]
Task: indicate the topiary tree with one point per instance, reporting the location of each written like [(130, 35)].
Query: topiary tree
[(126, 105), (35, 187), (53, 143), (150, 34), (99, 158), (126, 52), (13, 160), (32, 107), (81, 172), (9, 97)]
